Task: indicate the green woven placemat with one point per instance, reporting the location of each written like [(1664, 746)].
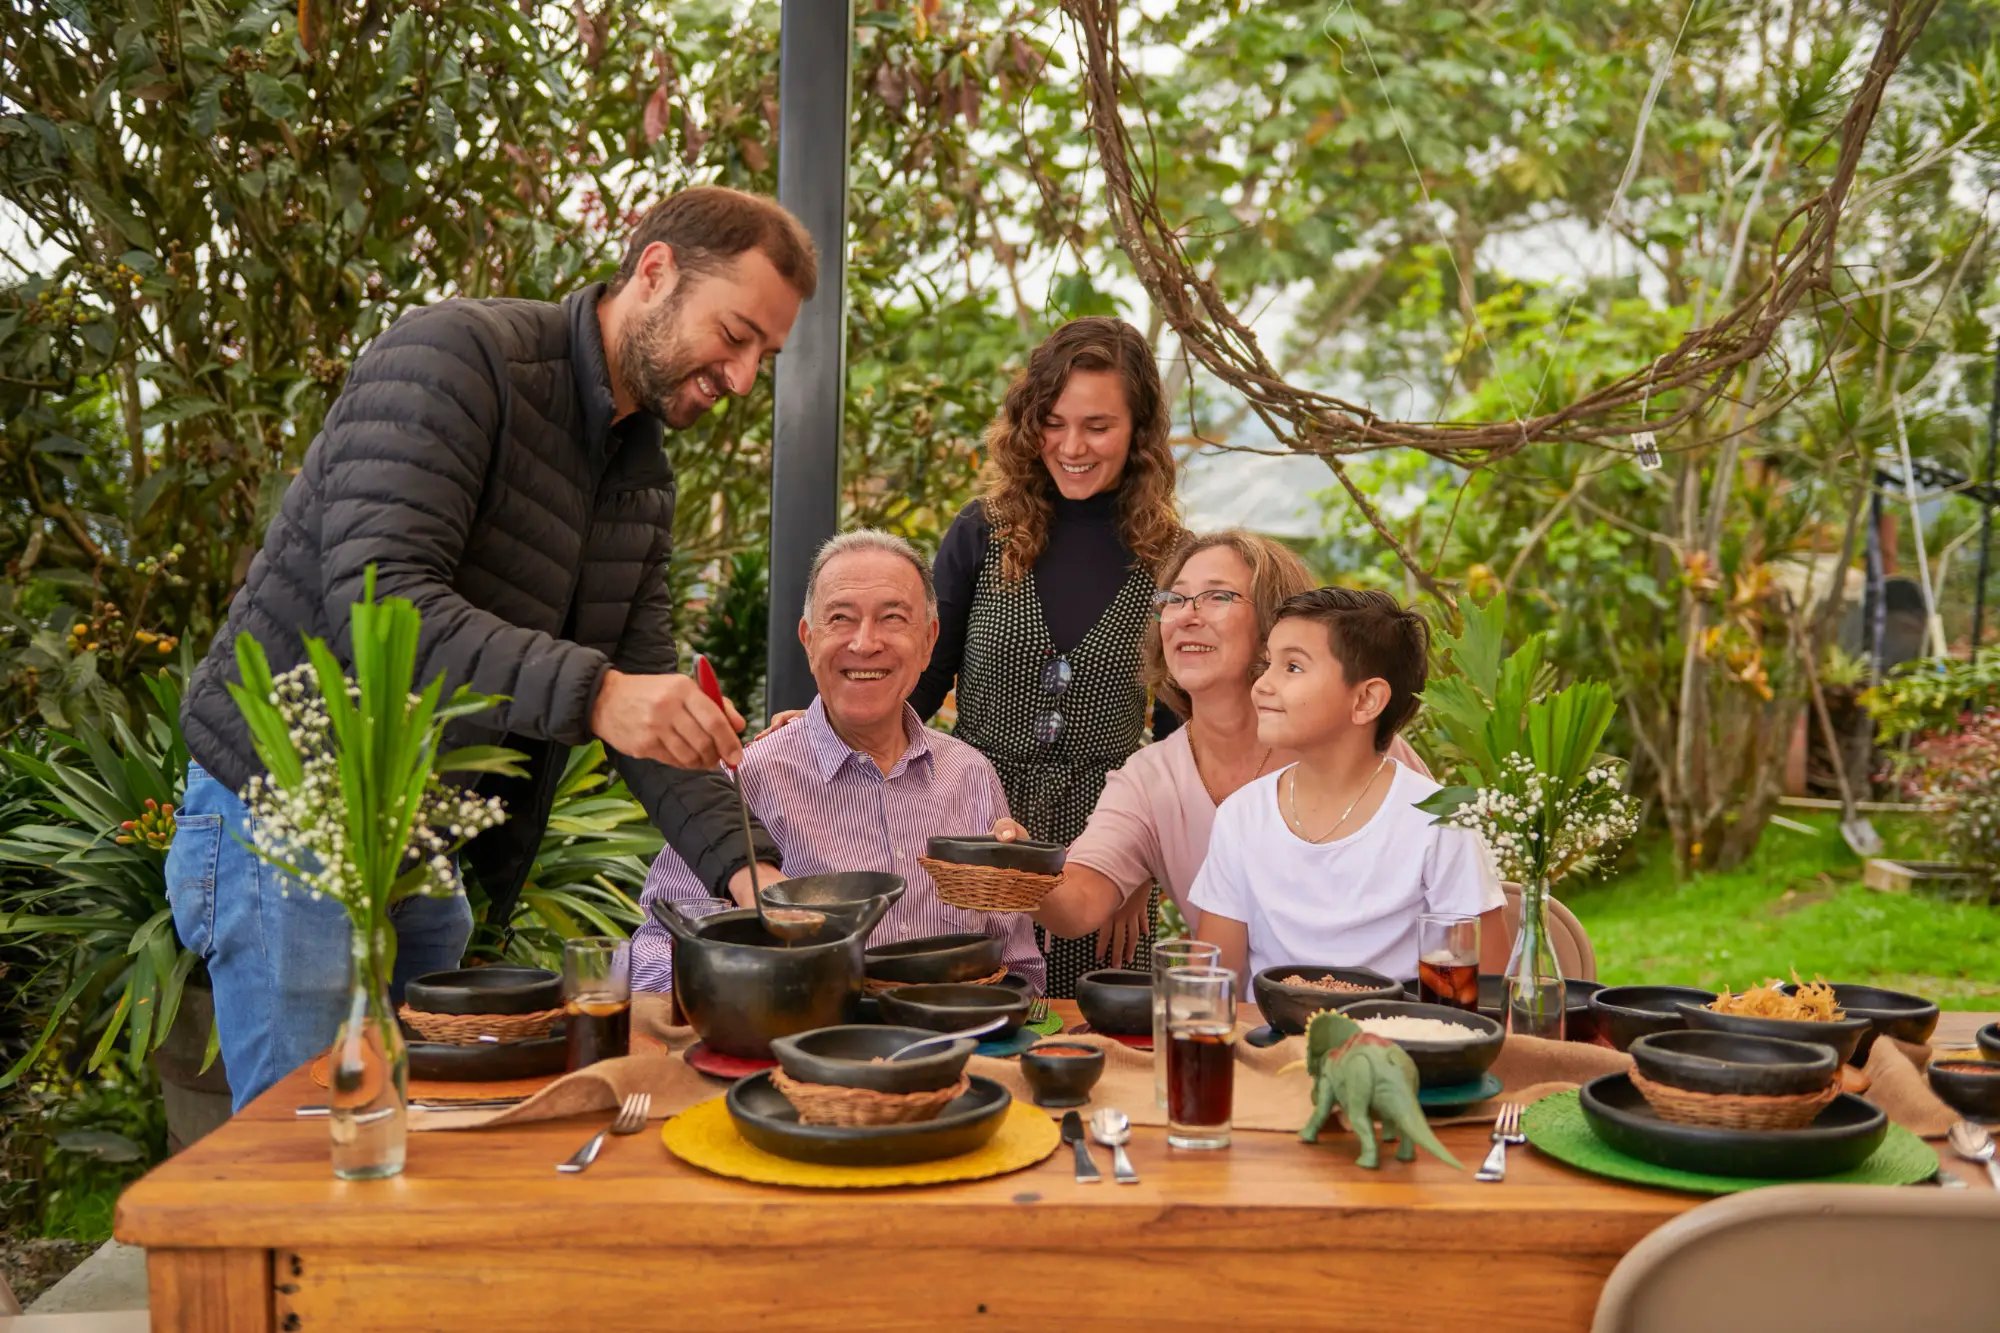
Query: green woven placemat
[(1048, 1027), (1556, 1125)]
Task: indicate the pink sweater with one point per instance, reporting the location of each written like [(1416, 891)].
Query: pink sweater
[(1151, 826)]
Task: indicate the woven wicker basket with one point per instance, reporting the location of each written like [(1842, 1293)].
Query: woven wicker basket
[(470, 1029), (987, 888), (1734, 1111), (829, 1104)]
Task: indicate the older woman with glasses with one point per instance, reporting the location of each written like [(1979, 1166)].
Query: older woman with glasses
[(1218, 596), (1045, 584)]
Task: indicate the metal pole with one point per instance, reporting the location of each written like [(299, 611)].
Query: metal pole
[(815, 46), (1986, 511)]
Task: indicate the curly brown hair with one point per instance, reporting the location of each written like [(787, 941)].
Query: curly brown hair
[(1019, 493), (1276, 575)]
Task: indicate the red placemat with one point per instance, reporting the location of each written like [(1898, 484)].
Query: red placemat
[(1143, 1042), (717, 1065)]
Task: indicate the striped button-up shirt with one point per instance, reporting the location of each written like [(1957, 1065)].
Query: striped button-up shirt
[(831, 809)]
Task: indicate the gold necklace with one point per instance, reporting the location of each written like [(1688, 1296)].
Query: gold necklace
[(1299, 828), (1208, 786)]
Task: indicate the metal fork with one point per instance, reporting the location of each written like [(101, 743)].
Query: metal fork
[(1506, 1130), (631, 1119), (1038, 1012)]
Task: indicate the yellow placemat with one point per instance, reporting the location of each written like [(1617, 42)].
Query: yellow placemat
[(706, 1137)]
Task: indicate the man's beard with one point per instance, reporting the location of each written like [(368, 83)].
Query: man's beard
[(653, 360)]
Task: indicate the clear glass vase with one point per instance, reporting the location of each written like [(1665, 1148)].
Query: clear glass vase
[(368, 1070), (1534, 981)]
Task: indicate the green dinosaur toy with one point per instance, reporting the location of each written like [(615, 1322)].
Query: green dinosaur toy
[(1369, 1077)]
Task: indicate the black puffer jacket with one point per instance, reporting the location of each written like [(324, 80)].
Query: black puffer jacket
[(472, 460)]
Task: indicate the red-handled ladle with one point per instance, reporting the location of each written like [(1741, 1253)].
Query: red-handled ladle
[(787, 923)]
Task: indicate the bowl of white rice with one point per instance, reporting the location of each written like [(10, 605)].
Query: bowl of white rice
[(1448, 1046)]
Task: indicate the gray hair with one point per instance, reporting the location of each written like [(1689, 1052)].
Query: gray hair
[(871, 539)]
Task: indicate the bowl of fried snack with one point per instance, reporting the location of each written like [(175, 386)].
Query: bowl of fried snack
[(1805, 1012)]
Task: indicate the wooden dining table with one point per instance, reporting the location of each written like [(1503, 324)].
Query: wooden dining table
[(247, 1231)]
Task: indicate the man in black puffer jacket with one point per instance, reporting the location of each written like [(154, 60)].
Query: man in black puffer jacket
[(499, 464)]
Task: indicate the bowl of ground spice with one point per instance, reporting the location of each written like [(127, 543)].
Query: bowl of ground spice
[(1289, 995), (1969, 1086), (1061, 1073)]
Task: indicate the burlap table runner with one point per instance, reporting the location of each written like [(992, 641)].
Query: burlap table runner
[(1528, 1068)]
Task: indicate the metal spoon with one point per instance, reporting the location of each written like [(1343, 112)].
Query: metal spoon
[(1113, 1128), (945, 1038), (1975, 1145)]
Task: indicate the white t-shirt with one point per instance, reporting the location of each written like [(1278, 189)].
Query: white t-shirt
[(1352, 902)]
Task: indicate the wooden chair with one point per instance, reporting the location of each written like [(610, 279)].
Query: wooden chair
[(1573, 949), (1820, 1257)]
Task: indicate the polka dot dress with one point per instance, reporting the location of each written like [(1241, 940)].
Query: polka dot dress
[(1054, 735)]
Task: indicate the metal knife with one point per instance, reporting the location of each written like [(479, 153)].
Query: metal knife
[(1072, 1134)]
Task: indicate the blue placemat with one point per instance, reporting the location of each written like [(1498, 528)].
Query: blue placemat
[(1459, 1094), (1022, 1039)]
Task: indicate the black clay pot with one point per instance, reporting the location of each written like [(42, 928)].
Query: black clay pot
[(1034, 858), (1969, 1087), (1061, 1080), (1626, 1013), (846, 1057), (1289, 1008), (935, 959), (1440, 1064), (954, 1008), (485, 990), (1988, 1038), (1842, 1138), (1890, 1013), (740, 986), (1732, 1064), (1117, 1001), (1841, 1035)]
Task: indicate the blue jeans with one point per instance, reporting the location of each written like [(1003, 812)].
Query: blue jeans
[(278, 957)]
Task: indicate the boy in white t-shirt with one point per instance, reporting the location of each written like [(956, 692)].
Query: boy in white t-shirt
[(1329, 862)]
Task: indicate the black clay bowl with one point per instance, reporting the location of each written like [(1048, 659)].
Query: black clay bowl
[(846, 1057), (1890, 1013), (1988, 1038), (768, 1121), (1117, 1001), (1626, 1013), (1729, 1063), (1440, 1064), (484, 1062), (1843, 1136), (847, 887), (935, 959), (1034, 858), (1064, 1080), (485, 990), (955, 1008), (1290, 1008), (1969, 1087), (1842, 1035)]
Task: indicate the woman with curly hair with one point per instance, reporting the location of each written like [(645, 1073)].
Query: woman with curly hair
[(1045, 586)]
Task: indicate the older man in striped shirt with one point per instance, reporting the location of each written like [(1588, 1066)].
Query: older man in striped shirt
[(859, 782)]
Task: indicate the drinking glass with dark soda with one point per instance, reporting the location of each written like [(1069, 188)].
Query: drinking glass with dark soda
[(1201, 1056), (597, 999), (1448, 960)]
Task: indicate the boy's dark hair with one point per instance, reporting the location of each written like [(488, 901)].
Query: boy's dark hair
[(709, 225), (1371, 635)]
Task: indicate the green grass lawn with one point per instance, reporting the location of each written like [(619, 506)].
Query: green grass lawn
[(1797, 905)]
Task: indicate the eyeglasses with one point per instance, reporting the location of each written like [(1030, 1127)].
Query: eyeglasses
[(1167, 600), (1056, 677)]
